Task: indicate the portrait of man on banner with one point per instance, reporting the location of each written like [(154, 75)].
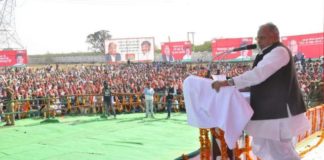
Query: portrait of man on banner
[(112, 55), (145, 52), (187, 54), (167, 56), (19, 59), (296, 53)]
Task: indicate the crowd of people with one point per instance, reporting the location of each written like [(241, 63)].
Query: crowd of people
[(129, 79)]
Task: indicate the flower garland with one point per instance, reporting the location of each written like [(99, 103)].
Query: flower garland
[(219, 134), (204, 145), (315, 111), (302, 154)]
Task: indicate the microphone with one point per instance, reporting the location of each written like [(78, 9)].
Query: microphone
[(247, 47), (208, 75), (223, 54)]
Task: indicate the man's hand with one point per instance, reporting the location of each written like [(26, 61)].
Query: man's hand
[(218, 84)]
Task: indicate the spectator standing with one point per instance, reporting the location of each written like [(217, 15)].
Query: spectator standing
[(149, 98)]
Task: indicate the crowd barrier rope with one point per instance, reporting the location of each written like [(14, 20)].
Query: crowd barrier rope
[(86, 103)]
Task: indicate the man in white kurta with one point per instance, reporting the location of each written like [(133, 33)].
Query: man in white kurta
[(272, 138)]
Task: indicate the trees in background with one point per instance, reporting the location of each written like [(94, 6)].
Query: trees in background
[(203, 47), (97, 40)]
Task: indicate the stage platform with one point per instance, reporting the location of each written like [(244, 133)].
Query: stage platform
[(129, 137)]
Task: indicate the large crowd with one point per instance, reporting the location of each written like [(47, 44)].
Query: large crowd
[(70, 80)]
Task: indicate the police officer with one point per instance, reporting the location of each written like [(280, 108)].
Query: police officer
[(107, 98), (169, 98), (10, 118)]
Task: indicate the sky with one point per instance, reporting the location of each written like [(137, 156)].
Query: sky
[(61, 26)]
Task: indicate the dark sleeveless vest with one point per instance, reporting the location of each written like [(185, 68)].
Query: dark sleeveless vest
[(269, 99)]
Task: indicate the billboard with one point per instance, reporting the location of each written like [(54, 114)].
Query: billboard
[(133, 49), (307, 45), (13, 58), (221, 48), (176, 51)]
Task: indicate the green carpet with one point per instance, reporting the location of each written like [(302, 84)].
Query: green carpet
[(129, 137)]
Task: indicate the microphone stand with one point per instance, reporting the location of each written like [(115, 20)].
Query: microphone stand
[(222, 55), (215, 148)]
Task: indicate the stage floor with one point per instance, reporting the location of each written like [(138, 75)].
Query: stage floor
[(129, 137)]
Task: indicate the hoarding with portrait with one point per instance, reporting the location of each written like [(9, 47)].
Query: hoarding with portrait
[(306, 46), (13, 58), (132, 49), (176, 51), (221, 48)]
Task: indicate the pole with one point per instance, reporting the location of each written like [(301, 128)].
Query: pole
[(188, 36), (193, 39)]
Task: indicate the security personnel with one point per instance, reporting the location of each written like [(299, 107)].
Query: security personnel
[(169, 98), (10, 118), (107, 98)]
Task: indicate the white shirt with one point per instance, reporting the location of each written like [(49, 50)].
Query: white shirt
[(186, 57), (276, 129), (113, 58), (168, 58), (206, 108), (148, 92), (146, 56)]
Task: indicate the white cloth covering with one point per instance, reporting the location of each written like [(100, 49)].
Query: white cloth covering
[(227, 109)]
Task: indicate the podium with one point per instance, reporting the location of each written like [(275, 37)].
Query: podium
[(206, 109)]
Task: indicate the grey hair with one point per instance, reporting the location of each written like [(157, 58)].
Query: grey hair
[(272, 28)]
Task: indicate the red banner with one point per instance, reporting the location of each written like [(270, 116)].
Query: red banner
[(308, 45), (175, 51), (221, 48), (13, 57)]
